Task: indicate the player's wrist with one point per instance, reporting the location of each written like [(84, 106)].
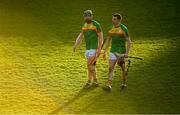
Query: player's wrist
[(99, 49)]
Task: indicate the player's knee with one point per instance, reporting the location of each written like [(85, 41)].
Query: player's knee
[(121, 63), (94, 63), (92, 70)]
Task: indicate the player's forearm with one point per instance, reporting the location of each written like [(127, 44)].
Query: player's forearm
[(128, 45), (79, 39), (100, 41)]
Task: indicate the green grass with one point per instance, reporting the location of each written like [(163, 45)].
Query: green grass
[(40, 74)]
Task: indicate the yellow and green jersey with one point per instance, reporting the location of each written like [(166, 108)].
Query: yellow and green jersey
[(90, 33), (118, 38)]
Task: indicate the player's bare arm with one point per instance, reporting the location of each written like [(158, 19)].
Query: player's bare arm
[(100, 42), (128, 39), (78, 41)]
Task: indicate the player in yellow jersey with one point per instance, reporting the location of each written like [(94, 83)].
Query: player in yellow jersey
[(93, 35), (118, 37)]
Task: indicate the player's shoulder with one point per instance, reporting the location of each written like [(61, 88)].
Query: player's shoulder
[(95, 22), (124, 27)]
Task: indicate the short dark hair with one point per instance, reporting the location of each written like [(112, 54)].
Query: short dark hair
[(119, 17)]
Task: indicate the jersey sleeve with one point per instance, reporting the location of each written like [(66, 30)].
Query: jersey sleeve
[(98, 26), (125, 29)]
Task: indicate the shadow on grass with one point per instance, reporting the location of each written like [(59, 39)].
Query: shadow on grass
[(80, 94)]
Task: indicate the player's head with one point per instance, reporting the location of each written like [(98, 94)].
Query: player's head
[(88, 15), (116, 18)]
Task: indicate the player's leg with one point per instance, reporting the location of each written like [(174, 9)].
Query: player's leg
[(112, 63), (95, 81), (90, 55), (90, 76), (92, 68), (121, 63), (88, 84)]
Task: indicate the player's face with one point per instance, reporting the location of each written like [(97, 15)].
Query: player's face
[(88, 18), (115, 20)]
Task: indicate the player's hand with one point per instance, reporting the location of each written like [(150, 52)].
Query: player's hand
[(126, 55)]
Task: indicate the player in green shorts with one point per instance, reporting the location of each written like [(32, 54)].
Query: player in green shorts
[(119, 39), (93, 35)]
